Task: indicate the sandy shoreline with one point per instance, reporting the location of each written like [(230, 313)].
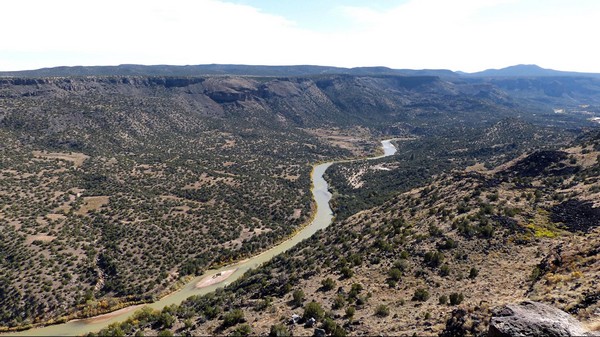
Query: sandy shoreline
[(219, 277), (104, 317), (207, 281)]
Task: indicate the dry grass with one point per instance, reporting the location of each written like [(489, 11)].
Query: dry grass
[(76, 158), (92, 204), (594, 326), (359, 140), (39, 237), (53, 216), (584, 159), (479, 167), (567, 283), (229, 143)]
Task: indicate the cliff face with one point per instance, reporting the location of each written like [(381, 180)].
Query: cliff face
[(310, 101)]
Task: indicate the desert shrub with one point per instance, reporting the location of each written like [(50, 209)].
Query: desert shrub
[(401, 265), (233, 317), (313, 310), (435, 231), (382, 310), (298, 297), (328, 284), (536, 273), (421, 295), (242, 330), (346, 272), (350, 311), (279, 330), (328, 325), (166, 320), (456, 298), (395, 274), (447, 244), (355, 290), (337, 331), (433, 259), (165, 333), (338, 302), (486, 231), (473, 273), (445, 270), (264, 304)]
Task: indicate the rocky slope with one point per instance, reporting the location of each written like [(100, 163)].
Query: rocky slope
[(434, 260), (116, 187), (301, 101)]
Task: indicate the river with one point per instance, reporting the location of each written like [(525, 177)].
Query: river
[(322, 218)]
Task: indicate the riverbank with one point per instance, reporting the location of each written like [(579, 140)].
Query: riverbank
[(322, 218)]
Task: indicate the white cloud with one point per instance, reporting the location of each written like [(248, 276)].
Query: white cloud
[(460, 34), (174, 31), (473, 35)]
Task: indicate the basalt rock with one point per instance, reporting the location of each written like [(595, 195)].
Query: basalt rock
[(530, 318), (576, 215)]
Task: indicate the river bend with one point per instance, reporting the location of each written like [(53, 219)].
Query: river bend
[(322, 218)]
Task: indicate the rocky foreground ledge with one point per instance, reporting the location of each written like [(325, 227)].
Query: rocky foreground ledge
[(531, 318)]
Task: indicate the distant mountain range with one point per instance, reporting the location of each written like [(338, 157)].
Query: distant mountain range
[(281, 71), (219, 69), (527, 70)]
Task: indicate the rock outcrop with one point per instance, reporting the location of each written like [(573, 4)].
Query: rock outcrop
[(531, 318)]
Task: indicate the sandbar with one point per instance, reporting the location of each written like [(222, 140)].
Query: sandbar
[(216, 278)]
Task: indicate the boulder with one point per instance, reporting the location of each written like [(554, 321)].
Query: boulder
[(310, 323), (531, 318), (319, 333)]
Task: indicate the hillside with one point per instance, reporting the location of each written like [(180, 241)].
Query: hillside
[(218, 69), (361, 185), (116, 188), (433, 260), (545, 91), (101, 178)]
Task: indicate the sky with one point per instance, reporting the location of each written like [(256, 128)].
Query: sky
[(465, 35)]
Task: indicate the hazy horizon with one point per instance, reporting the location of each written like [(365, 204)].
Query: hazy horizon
[(269, 65), (462, 35)]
